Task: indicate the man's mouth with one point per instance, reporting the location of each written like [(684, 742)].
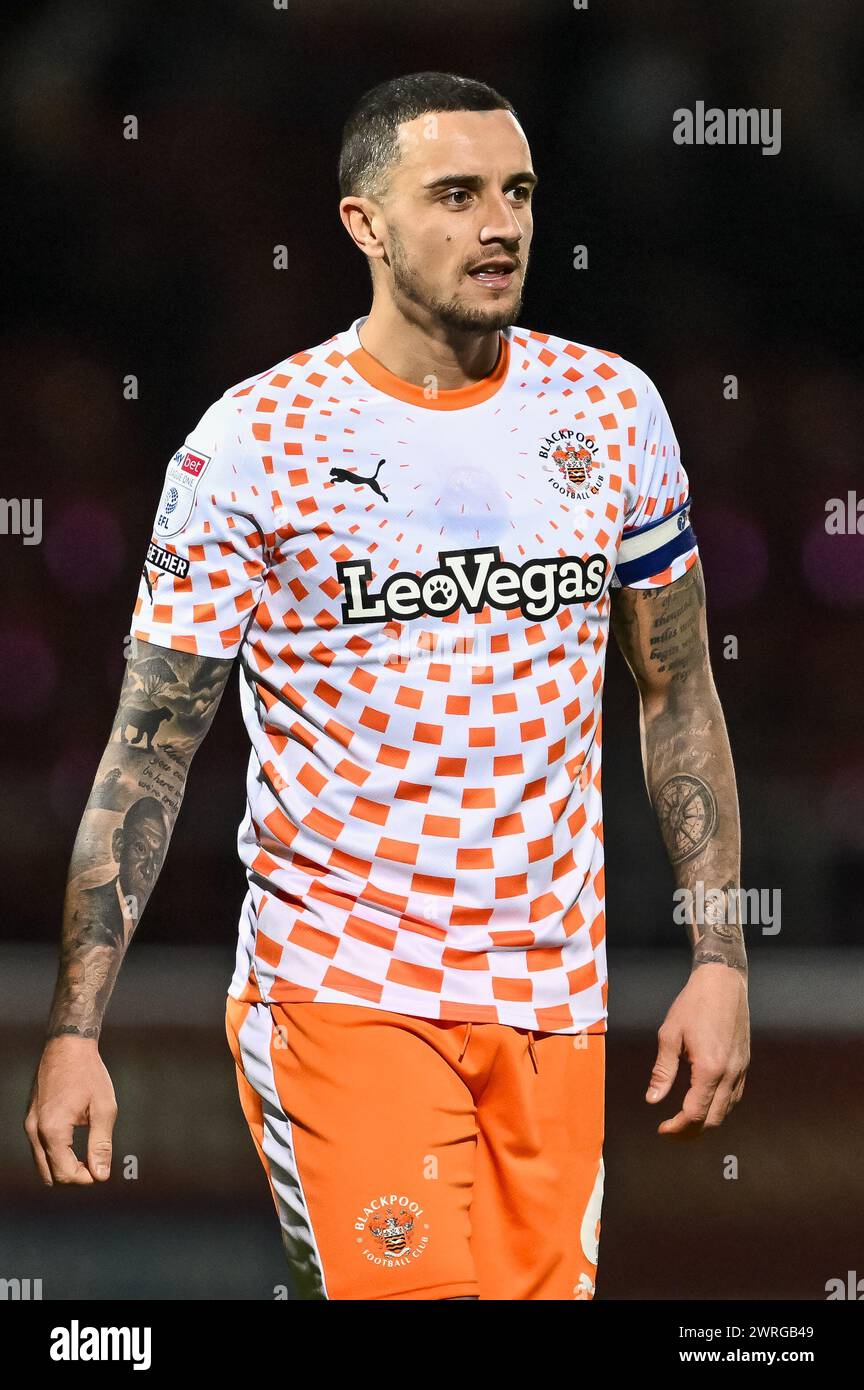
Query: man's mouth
[(497, 275)]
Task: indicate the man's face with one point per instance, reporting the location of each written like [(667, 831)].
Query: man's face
[(140, 849), (460, 196)]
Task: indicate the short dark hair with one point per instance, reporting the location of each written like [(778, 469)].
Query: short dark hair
[(370, 142)]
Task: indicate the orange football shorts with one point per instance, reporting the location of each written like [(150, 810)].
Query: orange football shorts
[(416, 1158)]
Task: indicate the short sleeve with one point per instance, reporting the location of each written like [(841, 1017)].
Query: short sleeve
[(206, 564), (658, 543)]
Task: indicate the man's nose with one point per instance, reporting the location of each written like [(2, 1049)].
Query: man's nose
[(503, 224)]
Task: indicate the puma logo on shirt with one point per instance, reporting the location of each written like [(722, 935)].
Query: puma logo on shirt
[(344, 475)]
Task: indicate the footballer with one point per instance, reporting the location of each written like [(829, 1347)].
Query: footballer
[(414, 537)]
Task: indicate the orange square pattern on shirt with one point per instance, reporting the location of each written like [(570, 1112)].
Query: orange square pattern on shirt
[(424, 827)]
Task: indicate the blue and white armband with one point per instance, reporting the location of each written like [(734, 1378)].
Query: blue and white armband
[(647, 550)]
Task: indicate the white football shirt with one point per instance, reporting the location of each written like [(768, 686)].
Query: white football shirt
[(417, 583)]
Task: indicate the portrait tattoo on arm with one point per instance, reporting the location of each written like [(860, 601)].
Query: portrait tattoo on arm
[(167, 703)]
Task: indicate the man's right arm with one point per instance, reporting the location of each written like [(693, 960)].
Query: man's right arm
[(167, 704)]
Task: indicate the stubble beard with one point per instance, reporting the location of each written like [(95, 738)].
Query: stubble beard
[(464, 318)]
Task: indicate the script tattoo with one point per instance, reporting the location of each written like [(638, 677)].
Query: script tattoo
[(676, 641), (167, 703), (662, 630)]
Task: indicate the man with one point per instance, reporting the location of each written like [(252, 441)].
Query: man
[(414, 536)]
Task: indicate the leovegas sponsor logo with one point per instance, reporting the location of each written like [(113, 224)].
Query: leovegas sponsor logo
[(470, 579)]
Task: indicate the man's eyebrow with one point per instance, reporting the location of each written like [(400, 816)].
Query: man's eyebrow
[(476, 181)]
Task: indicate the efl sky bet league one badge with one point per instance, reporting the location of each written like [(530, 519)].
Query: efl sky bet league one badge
[(184, 473)]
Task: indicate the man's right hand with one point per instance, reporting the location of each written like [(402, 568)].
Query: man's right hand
[(72, 1087), (118, 853)]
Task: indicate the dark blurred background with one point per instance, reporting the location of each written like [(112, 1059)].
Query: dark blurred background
[(153, 258)]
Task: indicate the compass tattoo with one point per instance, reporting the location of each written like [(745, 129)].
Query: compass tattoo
[(687, 812)]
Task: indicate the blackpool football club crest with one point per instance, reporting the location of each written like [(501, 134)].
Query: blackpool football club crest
[(392, 1231), (571, 458)]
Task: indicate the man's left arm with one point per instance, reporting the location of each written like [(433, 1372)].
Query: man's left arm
[(691, 783)]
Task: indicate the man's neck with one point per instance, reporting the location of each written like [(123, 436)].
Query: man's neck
[(415, 351)]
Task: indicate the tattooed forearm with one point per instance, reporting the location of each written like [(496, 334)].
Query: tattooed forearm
[(167, 704), (686, 756)]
